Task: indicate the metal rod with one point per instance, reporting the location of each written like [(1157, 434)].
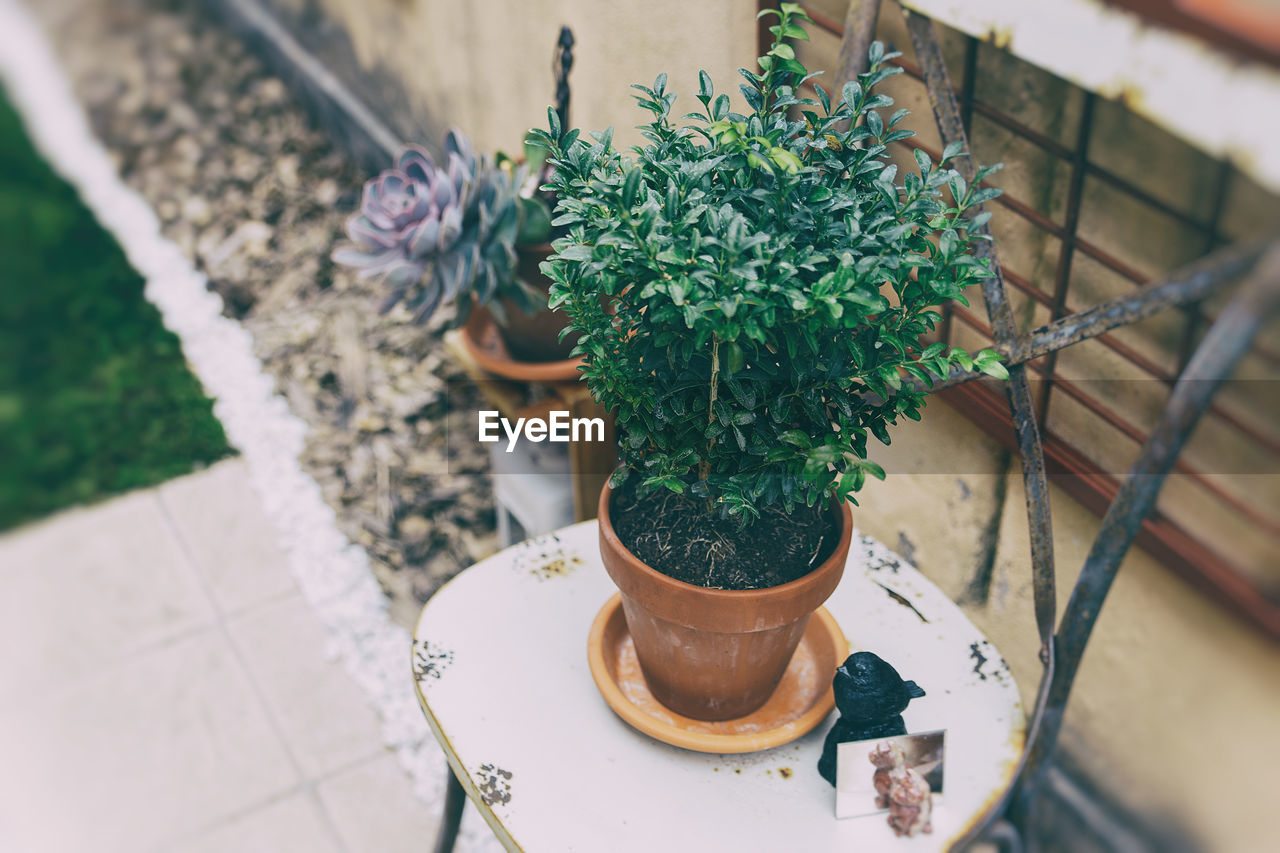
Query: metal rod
[(859, 31), (1189, 284), (561, 66), (942, 99), (1062, 275), (1183, 287), (1195, 319), (451, 818), (968, 83), (1226, 342), (1242, 507)]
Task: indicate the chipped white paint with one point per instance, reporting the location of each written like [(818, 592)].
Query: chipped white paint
[(1218, 102), (516, 707)]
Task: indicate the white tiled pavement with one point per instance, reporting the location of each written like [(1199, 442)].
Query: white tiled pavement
[(164, 687)]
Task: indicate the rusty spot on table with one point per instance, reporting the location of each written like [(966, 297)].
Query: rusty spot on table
[(999, 669), (494, 785), (547, 558), (785, 772), (876, 559), (430, 661)]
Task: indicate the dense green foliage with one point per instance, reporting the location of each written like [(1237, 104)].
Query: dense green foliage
[(752, 289), (95, 397)]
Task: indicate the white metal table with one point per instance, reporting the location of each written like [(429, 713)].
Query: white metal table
[(500, 663)]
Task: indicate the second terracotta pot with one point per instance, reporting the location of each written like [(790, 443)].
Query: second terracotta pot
[(535, 337), (715, 654)]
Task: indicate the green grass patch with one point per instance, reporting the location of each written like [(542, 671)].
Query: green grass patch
[(95, 396)]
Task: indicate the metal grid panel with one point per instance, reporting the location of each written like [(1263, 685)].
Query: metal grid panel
[(1081, 475)]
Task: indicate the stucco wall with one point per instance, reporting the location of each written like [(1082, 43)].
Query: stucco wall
[(1175, 708), (486, 65)]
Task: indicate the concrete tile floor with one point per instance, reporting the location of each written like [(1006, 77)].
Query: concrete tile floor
[(164, 687)]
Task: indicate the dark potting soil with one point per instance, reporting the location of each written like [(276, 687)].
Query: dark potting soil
[(675, 535)]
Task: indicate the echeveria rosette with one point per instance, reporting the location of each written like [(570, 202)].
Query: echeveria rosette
[(438, 234)]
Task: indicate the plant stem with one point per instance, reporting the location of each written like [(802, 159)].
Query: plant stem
[(704, 467)]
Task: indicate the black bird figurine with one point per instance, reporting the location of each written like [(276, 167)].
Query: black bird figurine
[(870, 696)]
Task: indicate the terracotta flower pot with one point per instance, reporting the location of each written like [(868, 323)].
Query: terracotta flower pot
[(715, 654), (536, 337)]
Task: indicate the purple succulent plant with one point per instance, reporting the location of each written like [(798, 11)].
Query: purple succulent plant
[(437, 234)]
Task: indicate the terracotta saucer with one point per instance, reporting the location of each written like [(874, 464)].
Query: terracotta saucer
[(484, 342), (803, 698)]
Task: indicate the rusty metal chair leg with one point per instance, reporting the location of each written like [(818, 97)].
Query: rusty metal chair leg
[(1005, 836), (454, 799)]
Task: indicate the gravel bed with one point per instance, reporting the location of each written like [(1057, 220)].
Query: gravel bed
[(256, 198)]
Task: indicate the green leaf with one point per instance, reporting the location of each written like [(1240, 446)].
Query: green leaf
[(922, 160), (988, 361), (875, 124), (994, 368), (784, 158), (705, 89), (871, 468), (850, 93), (632, 187), (795, 437), (984, 194)]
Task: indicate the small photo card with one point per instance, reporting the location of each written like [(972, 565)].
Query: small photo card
[(865, 769)]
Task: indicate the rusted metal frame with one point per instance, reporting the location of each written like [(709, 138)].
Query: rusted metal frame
[(1185, 286), (1047, 225), (1195, 319), (968, 84), (1189, 284), (1222, 348), (859, 31), (942, 98), (1124, 350), (1138, 435), (830, 25), (1022, 284), (1126, 427), (1062, 275), (1085, 481), (1008, 122), (959, 376), (1064, 152), (562, 65), (451, 819)]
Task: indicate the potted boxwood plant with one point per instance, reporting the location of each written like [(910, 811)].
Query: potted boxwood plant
[(751, 290), (472, 231)]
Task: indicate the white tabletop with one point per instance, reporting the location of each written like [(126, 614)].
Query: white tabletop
[(500, 662)]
